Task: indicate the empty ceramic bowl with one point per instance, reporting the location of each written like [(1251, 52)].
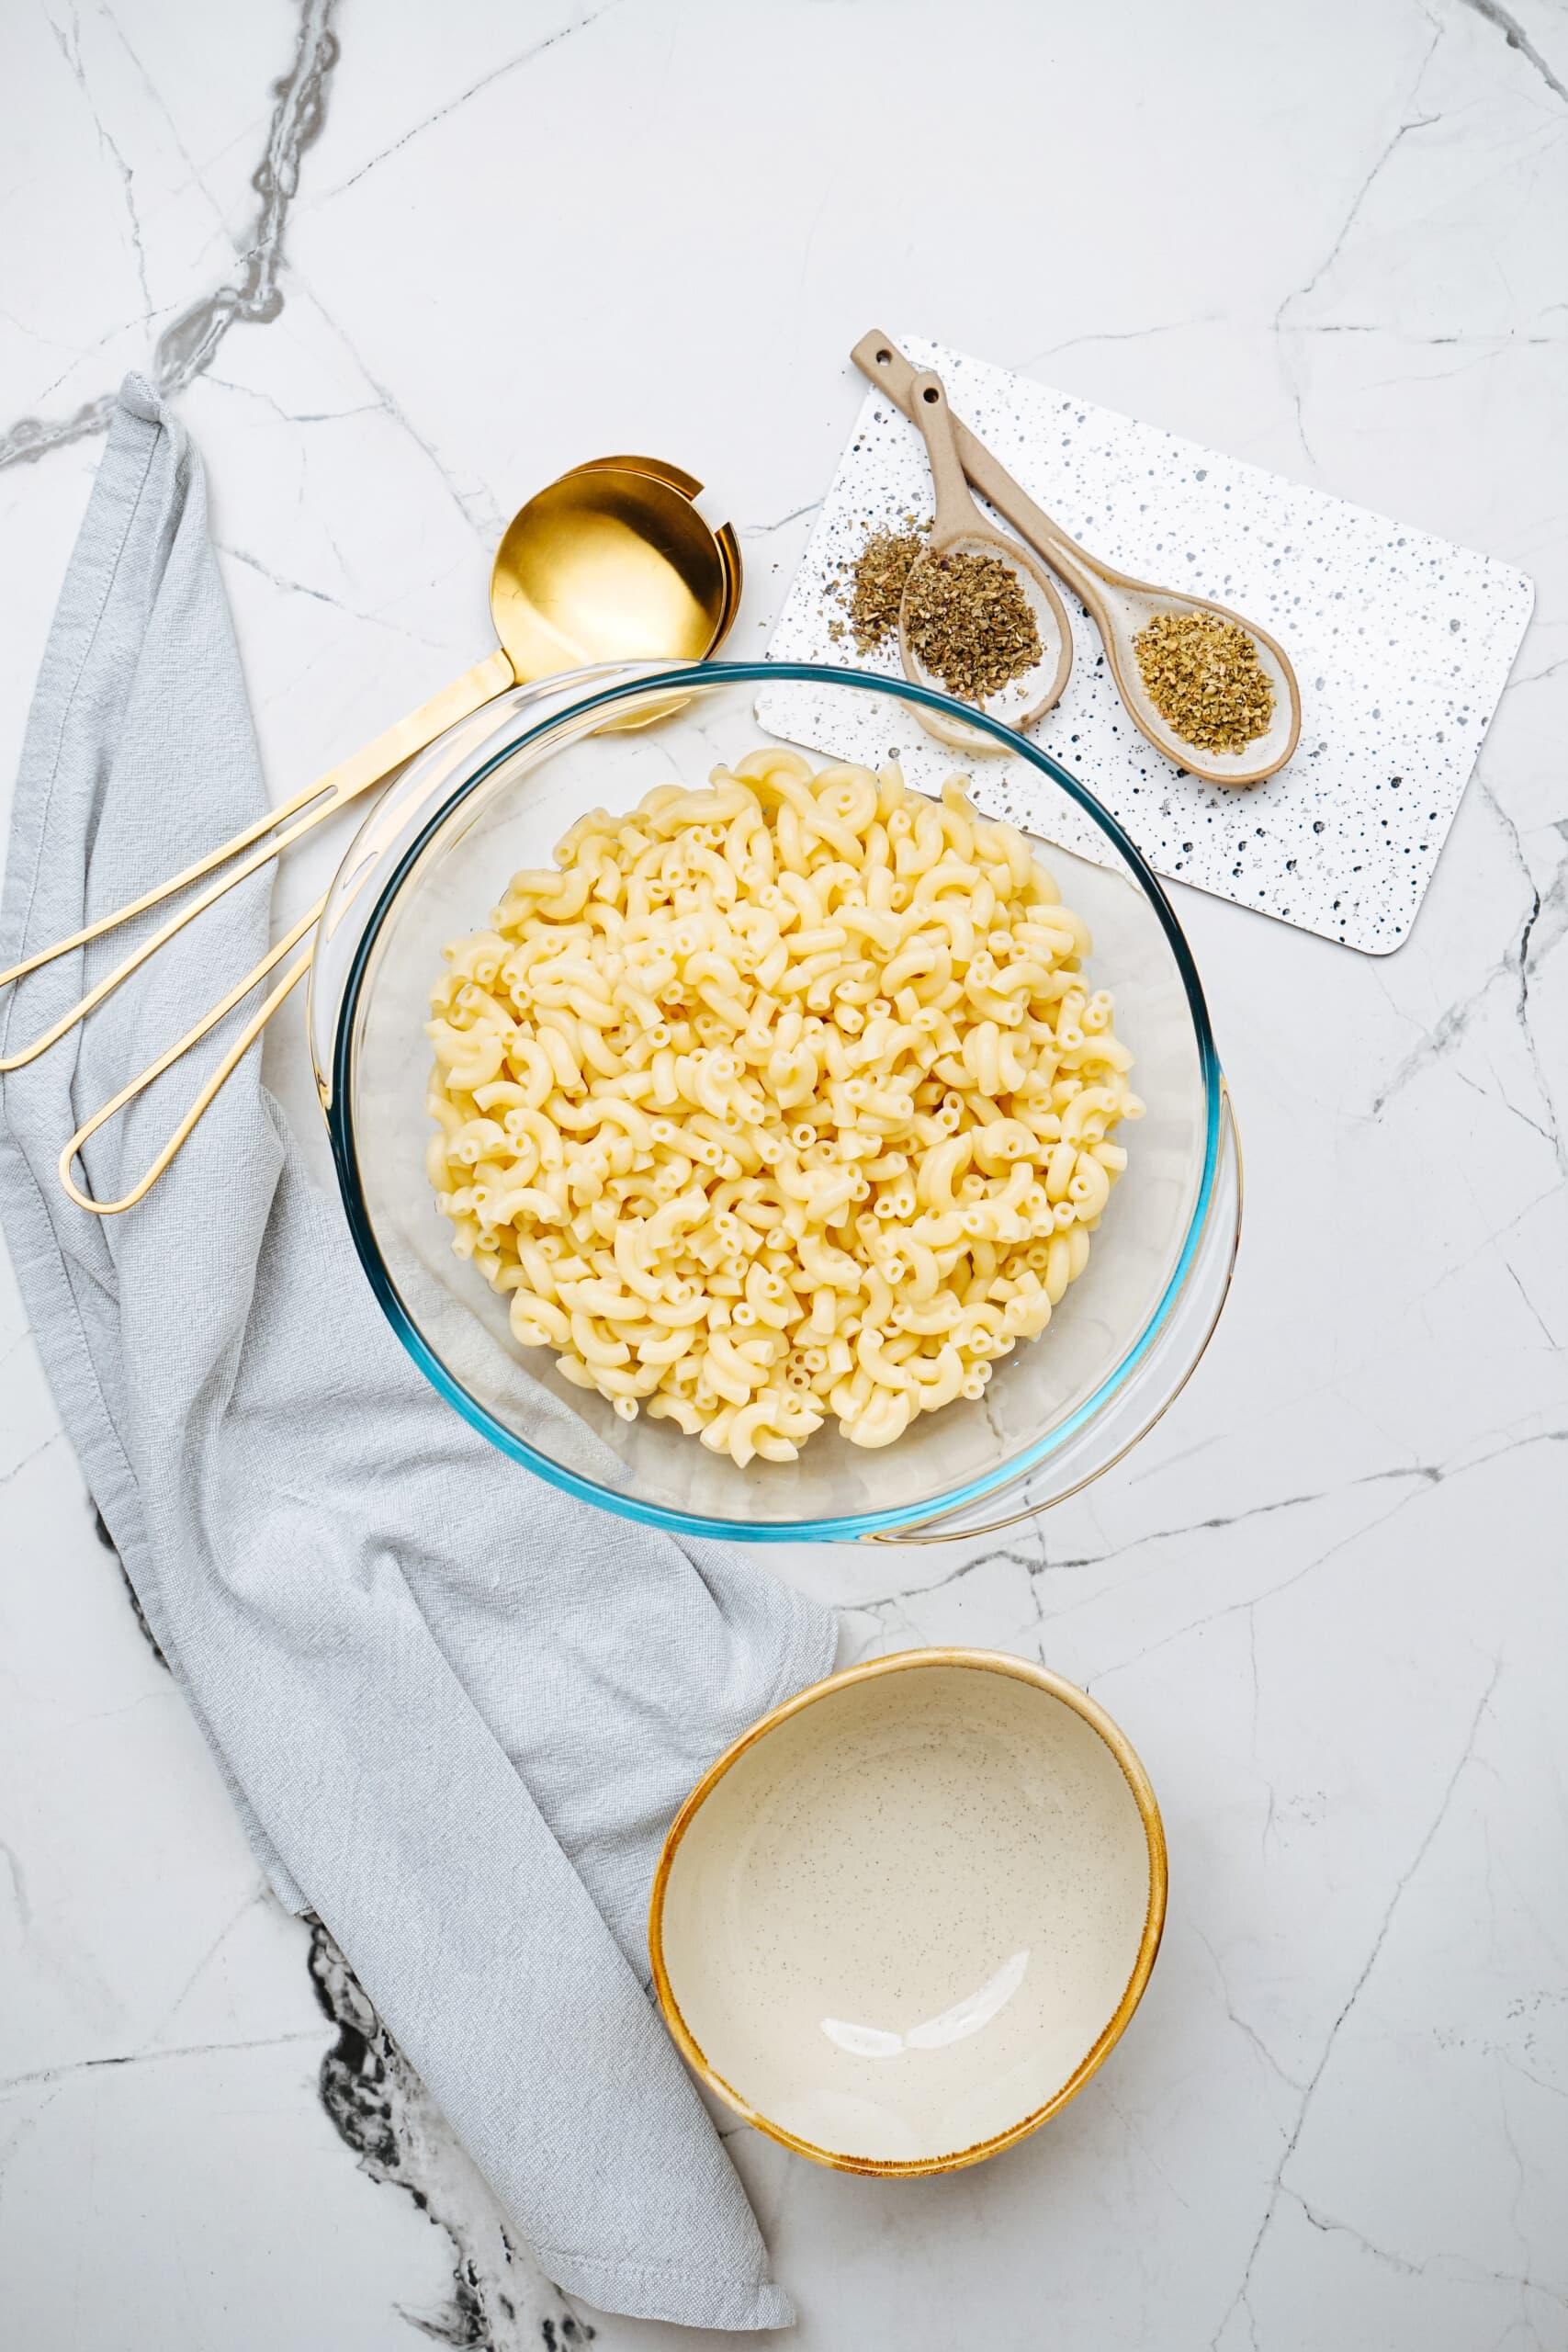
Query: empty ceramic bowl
[(907, 1915)]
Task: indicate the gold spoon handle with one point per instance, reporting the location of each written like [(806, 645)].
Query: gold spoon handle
[(217, 1079), (333, 791)]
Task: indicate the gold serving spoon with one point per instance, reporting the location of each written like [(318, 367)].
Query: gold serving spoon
[(613, 561), (958, 527), (1119, 605)]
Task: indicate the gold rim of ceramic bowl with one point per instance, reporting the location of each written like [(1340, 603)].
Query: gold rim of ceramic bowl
[(902, 1661)]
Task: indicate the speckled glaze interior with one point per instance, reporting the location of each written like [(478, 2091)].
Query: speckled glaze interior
[(902, 1921)]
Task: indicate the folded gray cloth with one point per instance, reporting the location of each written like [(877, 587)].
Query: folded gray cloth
[(456, 1709)]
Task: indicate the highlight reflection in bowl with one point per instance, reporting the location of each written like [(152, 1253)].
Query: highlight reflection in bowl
[(903, 1920)]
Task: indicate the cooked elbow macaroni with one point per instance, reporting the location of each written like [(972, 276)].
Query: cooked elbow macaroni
[(780, 1099)]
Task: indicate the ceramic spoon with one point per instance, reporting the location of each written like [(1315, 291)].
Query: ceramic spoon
[(1119, 604), (960, 529)]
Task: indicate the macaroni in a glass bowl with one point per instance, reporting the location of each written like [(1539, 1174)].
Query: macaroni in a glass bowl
[(780, 1099)]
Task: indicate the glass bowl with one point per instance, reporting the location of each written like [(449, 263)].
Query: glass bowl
[(496, 794)]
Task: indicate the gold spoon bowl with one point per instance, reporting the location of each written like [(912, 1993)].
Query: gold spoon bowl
[(612, 562)]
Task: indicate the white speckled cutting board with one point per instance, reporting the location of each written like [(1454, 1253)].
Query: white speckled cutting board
[(1401, 643)]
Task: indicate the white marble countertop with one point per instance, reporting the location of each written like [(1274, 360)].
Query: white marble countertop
[(477, 242)]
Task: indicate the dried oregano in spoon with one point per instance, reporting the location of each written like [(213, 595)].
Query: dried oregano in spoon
[(971, 625), (1204, 676)]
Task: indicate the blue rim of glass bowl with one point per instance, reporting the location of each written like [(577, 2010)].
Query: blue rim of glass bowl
[(858, 1523)]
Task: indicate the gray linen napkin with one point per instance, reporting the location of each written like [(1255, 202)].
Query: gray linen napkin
[(457, 1710)]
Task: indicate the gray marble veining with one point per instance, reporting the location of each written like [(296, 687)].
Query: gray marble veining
[(403, 285), (252, 292)]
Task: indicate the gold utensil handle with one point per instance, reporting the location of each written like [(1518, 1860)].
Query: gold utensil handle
[(150, 947), (215, 1082), (332, 792)]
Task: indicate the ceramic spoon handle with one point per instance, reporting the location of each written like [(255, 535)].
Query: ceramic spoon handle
[(878, 357), (956, 516)]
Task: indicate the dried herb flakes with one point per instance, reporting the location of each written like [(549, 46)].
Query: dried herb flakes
[(1204, 676), (971, 623), (875, 586)]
